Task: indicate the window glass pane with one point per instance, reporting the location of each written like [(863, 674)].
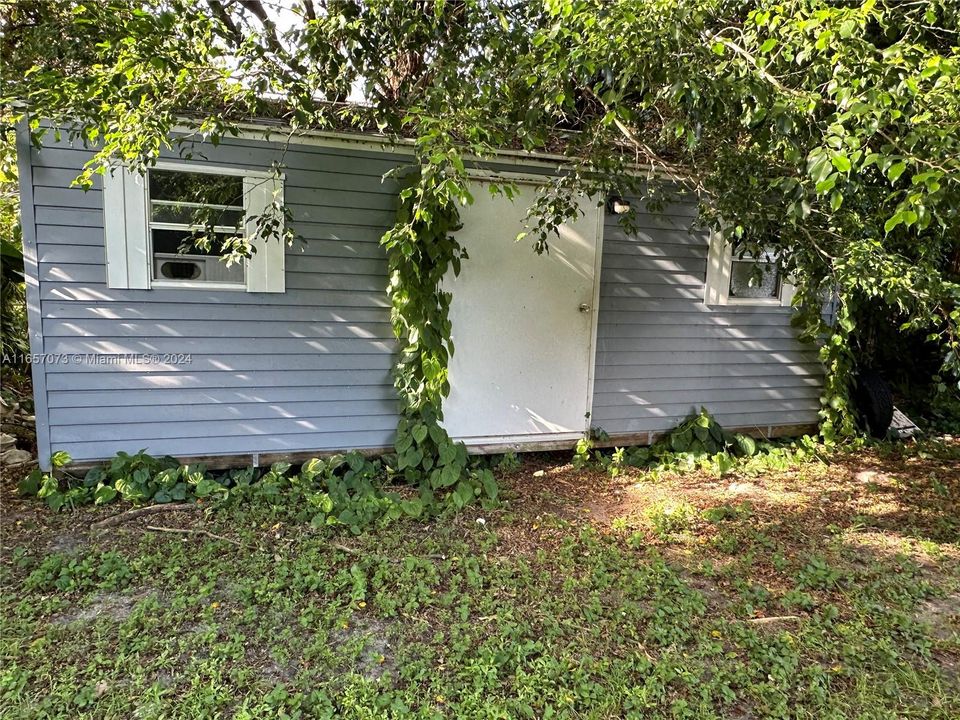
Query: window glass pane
[(198, 268), (177, 257), (753, 279), (204, 188), (186, 241), (191, 214)]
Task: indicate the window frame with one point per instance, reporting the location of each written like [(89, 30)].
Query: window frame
[(719, 272), (186, 167), (171, 166)]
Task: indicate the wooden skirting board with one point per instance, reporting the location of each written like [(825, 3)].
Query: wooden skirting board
[(222, 462)]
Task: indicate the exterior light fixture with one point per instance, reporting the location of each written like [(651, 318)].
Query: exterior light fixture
[(618, 206)]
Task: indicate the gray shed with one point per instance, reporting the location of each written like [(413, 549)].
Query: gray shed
[(135, 346)]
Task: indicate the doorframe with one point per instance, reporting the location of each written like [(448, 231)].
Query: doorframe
[(562, 439), (595, 312)]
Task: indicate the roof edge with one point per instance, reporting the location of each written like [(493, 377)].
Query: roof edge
[(278, 132)]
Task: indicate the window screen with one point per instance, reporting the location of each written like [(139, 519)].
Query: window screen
[(755, 277)]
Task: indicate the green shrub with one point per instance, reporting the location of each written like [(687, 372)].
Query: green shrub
[(349, 490), (700, 443)]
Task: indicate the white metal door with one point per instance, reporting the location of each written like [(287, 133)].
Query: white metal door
[(524, 326)]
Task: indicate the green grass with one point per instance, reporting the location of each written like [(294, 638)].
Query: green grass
[(533, 610)]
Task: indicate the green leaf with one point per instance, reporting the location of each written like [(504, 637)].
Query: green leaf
[(464, 494), (55, 501), (680, 441), (104, 494), (490, 487), (207, 487), (437, 434), (827, 184), (413, 457), (412, 508), (747, 445), (819, 165), (848, 28), (48, 486), (725, 463), (841, 162), (280, 468), (448, 453), (893, 222), (896, 170), (403, 443), (30, 485), (420, 433), (94, 477), (311, 468), (716, 432), (448, 476)]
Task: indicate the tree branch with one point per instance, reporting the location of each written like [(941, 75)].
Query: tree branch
[(756, 65), (255, 8), (673, 172), (192, 531), (224, 17)]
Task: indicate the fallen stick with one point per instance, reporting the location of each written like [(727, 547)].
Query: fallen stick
[(191, 531), (774, 619), (123, 517), (347, 550)]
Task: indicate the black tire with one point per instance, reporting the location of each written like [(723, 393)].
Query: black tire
[(873, 399)]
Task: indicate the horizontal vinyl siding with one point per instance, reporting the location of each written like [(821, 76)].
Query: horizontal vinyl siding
[(662, 353), (309, 369), (305, 370)]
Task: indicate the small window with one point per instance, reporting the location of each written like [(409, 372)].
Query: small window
[(195, 219), (747, 280), (755, 278), (173, 226)]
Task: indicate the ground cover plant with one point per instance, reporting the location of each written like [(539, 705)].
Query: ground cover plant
[(825, 586), (348, 489)]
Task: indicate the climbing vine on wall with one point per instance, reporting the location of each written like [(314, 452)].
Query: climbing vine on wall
[(421, 248)]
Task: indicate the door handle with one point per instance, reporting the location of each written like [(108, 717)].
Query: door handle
[(584, 307)]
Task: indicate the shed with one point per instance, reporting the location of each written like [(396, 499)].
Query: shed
[(135, 346)]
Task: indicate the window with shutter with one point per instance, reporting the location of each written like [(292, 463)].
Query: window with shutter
[(746, 280), (178, 226)]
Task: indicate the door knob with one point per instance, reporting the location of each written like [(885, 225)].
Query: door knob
[(584, 307)]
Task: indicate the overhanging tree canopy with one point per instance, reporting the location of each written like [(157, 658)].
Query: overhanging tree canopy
[(827, 130)]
